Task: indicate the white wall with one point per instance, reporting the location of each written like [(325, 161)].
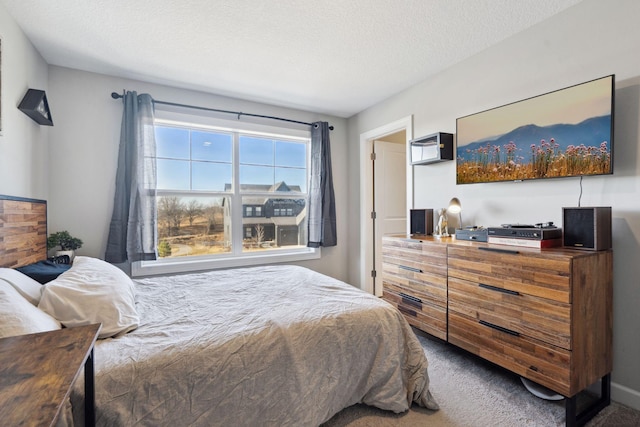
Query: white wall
[(23, 143), (589, 40), (84, 149)]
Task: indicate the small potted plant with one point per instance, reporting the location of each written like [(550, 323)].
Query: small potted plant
[(67, 243)]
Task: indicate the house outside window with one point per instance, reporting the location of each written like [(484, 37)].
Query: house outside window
[(206, 172)]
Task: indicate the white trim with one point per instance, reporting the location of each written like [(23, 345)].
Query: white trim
[(625, 395), (619, 393), (184, 265), (366, 195), (173, 118)]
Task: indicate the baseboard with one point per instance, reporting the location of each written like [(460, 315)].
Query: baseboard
[(620, 394), (625, 395)]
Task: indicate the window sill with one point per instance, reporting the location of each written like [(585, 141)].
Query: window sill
[(185, 265)]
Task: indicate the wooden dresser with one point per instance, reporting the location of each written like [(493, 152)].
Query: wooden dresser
[(544, 314)]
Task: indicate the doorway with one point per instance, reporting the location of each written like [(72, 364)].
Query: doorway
[(380, 180)]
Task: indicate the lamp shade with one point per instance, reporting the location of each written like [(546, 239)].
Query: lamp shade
[(35, 105), (455, 206)]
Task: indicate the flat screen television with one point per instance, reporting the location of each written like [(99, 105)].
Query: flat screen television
[(568, 132)]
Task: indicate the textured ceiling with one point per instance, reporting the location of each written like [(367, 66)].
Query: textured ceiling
[(329, 56)]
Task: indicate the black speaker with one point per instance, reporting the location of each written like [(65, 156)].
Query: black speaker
[(587, 228), (421, 222)]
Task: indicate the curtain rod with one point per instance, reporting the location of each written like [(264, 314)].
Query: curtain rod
[(115, 95)]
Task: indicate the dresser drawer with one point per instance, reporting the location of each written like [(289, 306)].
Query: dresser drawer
[(428, 317), (533, 359), (530, 272), (416, 281), (538, 318), (416, 255)]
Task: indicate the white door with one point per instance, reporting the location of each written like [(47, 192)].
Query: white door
[(389, 199)]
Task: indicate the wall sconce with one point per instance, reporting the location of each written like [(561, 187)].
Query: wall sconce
[(455, 207), (35, 105)]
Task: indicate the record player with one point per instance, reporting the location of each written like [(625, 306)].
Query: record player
[(541, 231)]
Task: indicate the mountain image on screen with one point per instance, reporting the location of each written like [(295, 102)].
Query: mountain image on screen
[(590, 132), (531, 151)]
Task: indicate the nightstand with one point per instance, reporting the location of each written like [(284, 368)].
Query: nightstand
[(37, 372)]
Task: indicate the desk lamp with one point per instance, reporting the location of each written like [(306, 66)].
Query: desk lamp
[(455, 207)]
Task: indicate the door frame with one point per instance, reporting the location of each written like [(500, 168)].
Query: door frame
[(366, 191)]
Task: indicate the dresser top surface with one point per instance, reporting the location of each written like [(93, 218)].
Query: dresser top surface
[(37, 371), (452, 241)]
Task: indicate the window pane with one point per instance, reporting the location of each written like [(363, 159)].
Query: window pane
[(211, 146), (256, 151), (190, 226), (256, 178), (287, 171), (283, 224), (172, 142), (264, 178), (173, 174), (296, 179), (292, 154), (211, 176)]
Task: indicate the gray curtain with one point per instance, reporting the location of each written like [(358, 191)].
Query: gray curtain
[(322, 209), (133, 228)]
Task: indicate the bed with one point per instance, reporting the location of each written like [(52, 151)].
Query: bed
[(276, 345)]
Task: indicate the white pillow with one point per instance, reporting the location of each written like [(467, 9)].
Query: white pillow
[(92, 291), (19, 316), (25, 285)]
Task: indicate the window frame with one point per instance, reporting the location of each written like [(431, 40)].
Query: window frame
[(238, 257)]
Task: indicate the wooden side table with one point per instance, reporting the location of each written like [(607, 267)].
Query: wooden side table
[(37, 372)]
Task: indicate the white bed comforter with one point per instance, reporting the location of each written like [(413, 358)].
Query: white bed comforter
[(263, 346)]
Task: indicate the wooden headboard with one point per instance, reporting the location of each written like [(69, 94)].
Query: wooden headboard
[(23, 231)]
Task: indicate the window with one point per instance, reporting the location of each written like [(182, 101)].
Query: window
[(220, 191)]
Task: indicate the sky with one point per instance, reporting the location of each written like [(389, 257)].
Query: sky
[(567, 106), (202, 160)]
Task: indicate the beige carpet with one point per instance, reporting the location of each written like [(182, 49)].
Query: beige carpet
[(474, 393)]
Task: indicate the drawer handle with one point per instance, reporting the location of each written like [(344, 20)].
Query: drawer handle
[(417, 270), (411, 300), (500, 328), (504, 251), (407, 311), (497, 289)]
